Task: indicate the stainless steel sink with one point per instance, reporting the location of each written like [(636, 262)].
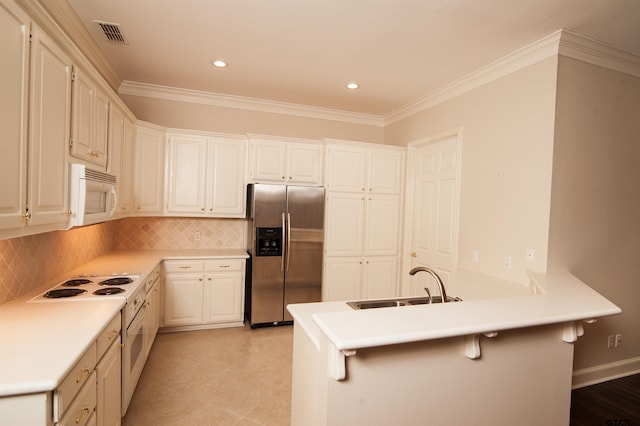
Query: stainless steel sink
[(400, 301)]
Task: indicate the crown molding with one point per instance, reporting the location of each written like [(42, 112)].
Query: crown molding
[(133, 88), (521, 58), (595, 52), (560, 43)]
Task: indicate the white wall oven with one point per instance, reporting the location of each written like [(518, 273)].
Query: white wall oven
[(134, 353)]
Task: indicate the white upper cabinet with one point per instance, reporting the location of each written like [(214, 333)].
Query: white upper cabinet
[(49, 115), (149, 170), (206, 176), (14, 86), (90, 120), (120, 163), (357, 168), (285, 160), (187, 174)]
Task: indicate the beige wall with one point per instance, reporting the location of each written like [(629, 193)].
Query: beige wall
[(507, 145), (184, 115), (595, 205)]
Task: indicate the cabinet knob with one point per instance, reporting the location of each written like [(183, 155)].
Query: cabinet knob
[(413, 254), (209, 278), (202, 209), (283, 178), (26, 215)]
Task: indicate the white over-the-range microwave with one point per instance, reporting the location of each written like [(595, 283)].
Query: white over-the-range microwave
[(93, 196)]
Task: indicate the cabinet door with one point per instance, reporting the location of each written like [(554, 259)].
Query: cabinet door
[(109, 389), (187, 172), (382, 225), (82, 116), (223, 298), (227, 193), (126, 178), (345, 221), (183, 299), (346, 168), (384, 171), (342, 278), (304, 163), (149, 170), (14, 84), (116, 142), (50, 106), (100, 128), (380, 277), (268, 161)]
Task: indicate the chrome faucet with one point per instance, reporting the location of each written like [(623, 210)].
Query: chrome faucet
[(443, 293)]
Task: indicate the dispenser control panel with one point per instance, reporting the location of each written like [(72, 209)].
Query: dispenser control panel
[(269, 242)]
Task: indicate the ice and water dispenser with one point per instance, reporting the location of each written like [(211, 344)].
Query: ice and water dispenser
[(268, 241)]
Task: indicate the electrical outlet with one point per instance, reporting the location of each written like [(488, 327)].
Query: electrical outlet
[(618, 340), (531, 255), (507, 262), (196, 236), (611, 341)]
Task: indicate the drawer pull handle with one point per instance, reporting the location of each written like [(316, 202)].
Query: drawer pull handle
[(225, 266), (83, 376), (184, 267), (85, 414), (113, 334)]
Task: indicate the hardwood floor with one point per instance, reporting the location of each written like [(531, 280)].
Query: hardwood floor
[(613, 403)]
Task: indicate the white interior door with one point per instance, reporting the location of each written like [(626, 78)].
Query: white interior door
[(432, 214)]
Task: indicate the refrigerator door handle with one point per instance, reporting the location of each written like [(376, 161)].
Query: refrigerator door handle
[(288, 238), (284, 245)]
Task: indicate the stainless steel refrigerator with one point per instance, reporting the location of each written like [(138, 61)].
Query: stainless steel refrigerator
[(285, 238)]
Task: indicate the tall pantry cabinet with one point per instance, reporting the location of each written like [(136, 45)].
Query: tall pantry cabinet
[(364, 187)]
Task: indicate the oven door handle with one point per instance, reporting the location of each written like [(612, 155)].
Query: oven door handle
[(138, 320)]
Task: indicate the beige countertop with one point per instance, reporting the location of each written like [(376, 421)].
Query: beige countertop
[(41, 342)]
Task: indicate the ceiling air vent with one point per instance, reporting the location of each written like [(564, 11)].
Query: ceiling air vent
[(112, 32)]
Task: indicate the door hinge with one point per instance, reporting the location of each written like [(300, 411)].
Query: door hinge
[(70, 142)]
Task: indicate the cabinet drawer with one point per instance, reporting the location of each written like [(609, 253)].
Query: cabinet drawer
[(225, 265), (183, 266), (108, 335), (78, 376), (82, 408)]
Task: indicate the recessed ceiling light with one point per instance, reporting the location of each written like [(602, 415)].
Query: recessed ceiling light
[(219, 63), (352, 86)]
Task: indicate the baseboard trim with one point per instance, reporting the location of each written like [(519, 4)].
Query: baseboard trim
[(605, 372)]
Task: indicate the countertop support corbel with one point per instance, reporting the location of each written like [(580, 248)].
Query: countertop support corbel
[(472, 344), (338, 362)]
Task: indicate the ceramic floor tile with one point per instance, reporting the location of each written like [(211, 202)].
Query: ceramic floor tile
[(231, 376)]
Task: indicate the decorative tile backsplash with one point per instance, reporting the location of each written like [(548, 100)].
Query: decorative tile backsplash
[(179, 233), (29, 262)]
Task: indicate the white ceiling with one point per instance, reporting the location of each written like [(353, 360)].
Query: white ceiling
[(305, 51)]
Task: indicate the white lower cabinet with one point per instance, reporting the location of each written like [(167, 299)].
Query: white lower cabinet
[(203, 293), (109, 379), (353, 278)]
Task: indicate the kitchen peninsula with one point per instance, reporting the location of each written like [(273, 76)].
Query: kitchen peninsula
[(503, 355)]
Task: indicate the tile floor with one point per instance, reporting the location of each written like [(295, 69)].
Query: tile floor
[(228, 376)]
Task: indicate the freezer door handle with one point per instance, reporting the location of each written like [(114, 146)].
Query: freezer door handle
[(284, 244), (288, 238)]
